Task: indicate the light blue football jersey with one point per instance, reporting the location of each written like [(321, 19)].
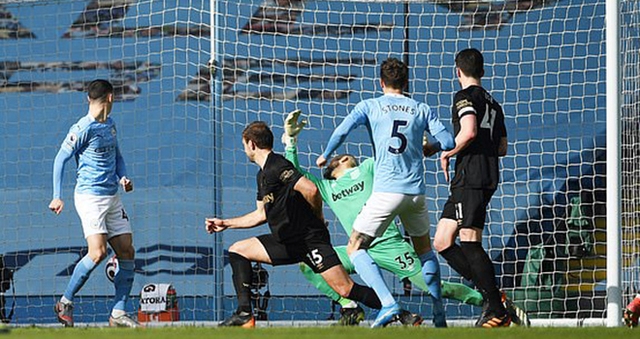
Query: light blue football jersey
[(99, 162), (396, 125)]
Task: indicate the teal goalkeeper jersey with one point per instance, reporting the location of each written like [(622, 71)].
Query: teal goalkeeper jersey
[(346, 195)]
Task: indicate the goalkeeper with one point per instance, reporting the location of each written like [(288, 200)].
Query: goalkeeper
[(345, 189)]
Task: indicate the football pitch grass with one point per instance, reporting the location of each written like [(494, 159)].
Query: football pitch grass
[(322, 333)]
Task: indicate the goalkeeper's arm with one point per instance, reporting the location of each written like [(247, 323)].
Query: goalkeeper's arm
[(290, 139)]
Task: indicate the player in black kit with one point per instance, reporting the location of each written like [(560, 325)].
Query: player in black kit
[(481, 138), (292, 206)]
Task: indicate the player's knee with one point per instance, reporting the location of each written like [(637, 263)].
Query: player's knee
[(440, 244), (97, 254), (127, 253), (237, 248), (343, 289)]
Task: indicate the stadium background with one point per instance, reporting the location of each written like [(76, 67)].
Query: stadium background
[(183, 152)]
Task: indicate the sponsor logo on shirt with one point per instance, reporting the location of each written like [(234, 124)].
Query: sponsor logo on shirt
[(358, 187), (285, 176)]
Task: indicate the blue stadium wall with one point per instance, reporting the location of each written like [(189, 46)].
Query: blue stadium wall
[(169, 148)]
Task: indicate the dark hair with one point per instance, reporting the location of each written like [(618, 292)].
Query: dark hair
[(333, 163), (394, 73), (99, 89), (259, 133), (471, 62)]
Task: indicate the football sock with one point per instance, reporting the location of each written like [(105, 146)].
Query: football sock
[(81, 273), (371, 275), (319, 282), (431, 274), (458, 261), (123, 282), (242, 271), (484, 274), (365, 295)]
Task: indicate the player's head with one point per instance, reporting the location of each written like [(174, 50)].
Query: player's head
[(470, 62), (256, 135), (338, 165), (100, 92), (394, 74)]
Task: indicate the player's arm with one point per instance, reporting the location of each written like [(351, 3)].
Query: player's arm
[(311, 194), (249, 220), (121, 171), (501, 131), (502, 147), (75, 140), (466, 135), (64, 154), (292, 129), (444, 138), (355, 118)]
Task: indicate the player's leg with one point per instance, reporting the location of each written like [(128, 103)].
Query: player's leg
[(474, 207), (316, 279), (92, 211), (444, 240), (374, 218), (339, 280), (241, 254), (415, 219), (398, 257), (121, 240), (350, 312), (323, 259), (123, 281)]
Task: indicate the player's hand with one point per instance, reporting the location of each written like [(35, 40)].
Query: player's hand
[(428, 148), (213, 225), (127, 185), (56, 205), (321, 161), (444, 163), (291, 124)]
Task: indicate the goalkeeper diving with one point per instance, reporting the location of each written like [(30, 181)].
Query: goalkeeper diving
[(345, 189)]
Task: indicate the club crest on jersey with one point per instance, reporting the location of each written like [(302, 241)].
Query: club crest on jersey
[(285, 176)]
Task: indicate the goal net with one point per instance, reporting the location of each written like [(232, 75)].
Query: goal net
[(189, 75)]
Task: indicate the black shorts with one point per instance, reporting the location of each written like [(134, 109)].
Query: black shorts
[(314, 249), (468, 206)]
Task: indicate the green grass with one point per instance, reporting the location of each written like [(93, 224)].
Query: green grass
[(322, 333)]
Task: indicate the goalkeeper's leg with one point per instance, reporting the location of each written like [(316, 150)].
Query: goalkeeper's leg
[(450, 290)]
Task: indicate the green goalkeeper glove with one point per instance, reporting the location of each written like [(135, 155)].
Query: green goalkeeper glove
[(291, 124)]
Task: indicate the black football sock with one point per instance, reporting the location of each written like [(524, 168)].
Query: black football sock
[(365, 295), (241, 268), (458, 261), (484, 275)]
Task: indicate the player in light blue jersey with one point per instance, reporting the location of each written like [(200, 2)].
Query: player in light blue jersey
[(100, 171), (396, 125)]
